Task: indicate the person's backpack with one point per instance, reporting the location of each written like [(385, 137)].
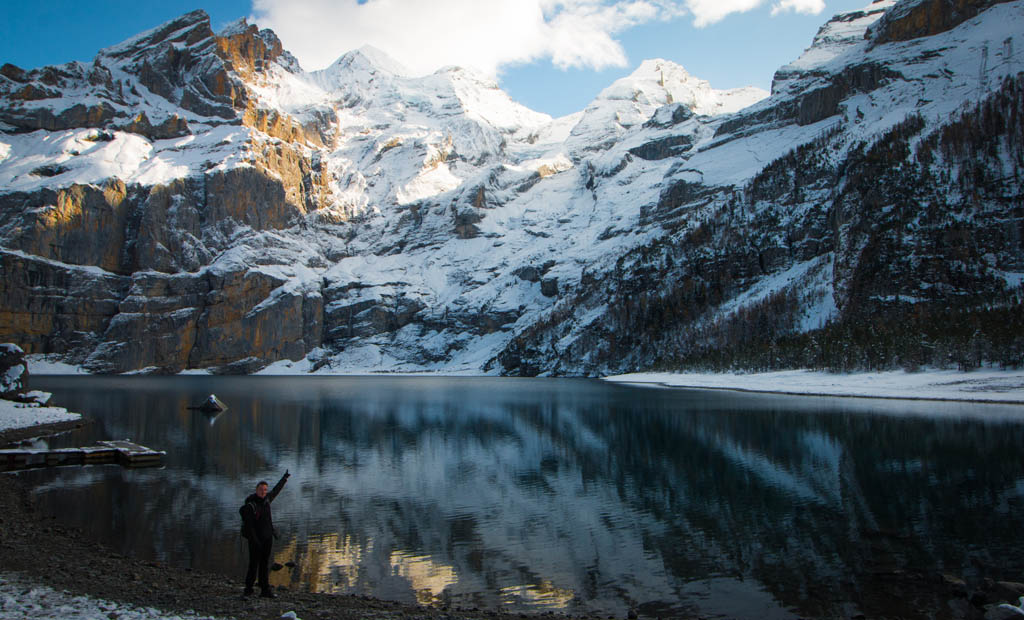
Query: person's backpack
[(241, 512)]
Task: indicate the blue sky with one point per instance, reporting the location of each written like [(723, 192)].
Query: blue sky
[(551, 55)]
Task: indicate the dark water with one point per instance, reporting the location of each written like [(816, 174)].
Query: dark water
[(570, 495)]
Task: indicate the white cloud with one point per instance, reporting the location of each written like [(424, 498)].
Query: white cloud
[(425, 36), (707, 12), (486, 35), (810, 7)]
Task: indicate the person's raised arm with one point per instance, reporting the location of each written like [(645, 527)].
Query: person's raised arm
[(277, 487)]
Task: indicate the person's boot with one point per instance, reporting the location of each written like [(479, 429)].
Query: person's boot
[(248, 591), (268, 593)]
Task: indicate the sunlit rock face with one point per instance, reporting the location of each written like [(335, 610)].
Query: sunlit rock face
[(195, 200)]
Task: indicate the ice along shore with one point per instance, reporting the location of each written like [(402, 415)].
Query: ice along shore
[(982, 386)]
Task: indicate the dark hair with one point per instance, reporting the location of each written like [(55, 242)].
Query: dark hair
[(261, 482)]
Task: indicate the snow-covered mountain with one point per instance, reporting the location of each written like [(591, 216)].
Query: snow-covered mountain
[(633, 100), (195, 200)]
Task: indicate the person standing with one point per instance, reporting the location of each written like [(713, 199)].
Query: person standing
[(258, 529)]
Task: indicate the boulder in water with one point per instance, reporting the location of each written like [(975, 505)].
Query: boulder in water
[(212, 405)]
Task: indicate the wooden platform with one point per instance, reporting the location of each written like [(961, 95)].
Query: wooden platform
[(123, 452)]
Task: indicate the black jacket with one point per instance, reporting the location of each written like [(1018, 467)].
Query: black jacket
[(257, 521)]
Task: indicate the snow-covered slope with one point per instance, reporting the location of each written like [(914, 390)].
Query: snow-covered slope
[(194, 200)]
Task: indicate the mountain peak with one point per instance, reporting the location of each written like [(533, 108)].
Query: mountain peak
[(239, 26), (248, 47), (189, 29), (657, 82), (369, 58)]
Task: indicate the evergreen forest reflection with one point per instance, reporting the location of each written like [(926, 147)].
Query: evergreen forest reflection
[(569, 495)]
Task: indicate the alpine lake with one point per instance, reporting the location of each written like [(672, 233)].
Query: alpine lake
[(568, 495)]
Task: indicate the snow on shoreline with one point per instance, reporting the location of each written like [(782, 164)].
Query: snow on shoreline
[(985, 385), (23, 415), (25, 598)]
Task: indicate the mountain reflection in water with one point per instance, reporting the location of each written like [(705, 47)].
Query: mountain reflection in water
[(571, 495)]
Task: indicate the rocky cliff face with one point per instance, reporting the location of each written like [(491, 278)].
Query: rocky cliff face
[(194, 199)]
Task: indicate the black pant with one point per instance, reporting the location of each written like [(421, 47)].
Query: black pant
[(259, 558)]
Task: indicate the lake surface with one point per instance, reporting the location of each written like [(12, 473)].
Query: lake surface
[(569, 495)]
